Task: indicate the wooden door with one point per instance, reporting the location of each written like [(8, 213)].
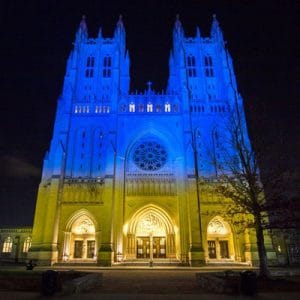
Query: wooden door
[(212, 249), (78, 247), (224, 253), (143, 247), (90, 249), (159, 247)]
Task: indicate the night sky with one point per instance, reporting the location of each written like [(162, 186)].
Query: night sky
[(37, 36)]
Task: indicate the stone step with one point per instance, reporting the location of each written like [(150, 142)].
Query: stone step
[(75, 264), (156, 262)]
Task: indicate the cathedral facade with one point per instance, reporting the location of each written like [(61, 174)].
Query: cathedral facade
[(128, 176)]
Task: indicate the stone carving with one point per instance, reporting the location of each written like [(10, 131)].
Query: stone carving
[(216, 227)]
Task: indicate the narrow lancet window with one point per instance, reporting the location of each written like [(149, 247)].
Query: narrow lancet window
[(131, 107), (7, 245), (90, 65), (149, 107), (208, 64), (107, 67), (167, 107), (191, 66), (27, 244), (141, 107)]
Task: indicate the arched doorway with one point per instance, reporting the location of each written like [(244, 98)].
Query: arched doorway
[(219, 240), (80, 239), (150, 235)]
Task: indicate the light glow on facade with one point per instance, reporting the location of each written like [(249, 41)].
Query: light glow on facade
[(121, 180)]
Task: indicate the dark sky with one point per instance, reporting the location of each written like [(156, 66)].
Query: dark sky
[(36, 37)]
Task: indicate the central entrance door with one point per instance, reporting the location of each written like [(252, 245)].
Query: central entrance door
[(159, 247), (144, 247)]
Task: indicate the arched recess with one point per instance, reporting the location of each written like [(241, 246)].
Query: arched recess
[(150, 234), (80, 239), (220, 244)]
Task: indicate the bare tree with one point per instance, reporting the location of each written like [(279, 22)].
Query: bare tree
[(237, 167)]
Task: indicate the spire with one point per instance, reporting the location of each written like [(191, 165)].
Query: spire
[(100, 33), (149, 84), (178, 29), (82, 25), (82, 32), (120, 30), (120, 22), (198, 34), (216, 32)]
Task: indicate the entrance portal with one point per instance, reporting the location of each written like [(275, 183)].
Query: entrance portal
[(143, 245), (219, 240), (150, 235), (79, 241)]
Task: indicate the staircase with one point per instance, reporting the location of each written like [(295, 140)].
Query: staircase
[(159, 262)]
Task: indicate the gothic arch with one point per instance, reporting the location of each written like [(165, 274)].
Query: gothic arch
[(80, 242), (80, 213), (220, 242), (157, 212), (150, 234), (224, 225)]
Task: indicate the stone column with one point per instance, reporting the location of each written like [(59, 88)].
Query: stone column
[(218, 248), (131, 246), (151, 247), (170, 245), (196, 252), (66, 252)]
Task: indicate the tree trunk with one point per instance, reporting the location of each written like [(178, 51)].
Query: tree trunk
[(262, 253)]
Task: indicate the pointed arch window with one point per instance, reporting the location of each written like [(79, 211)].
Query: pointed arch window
[(7, 245), (149, 107), (158, 108), (123, 107), (167, 107), (27, 244), (141, 107), (131, 107), (90, 65), (176, 108), (191, 66), (107, 66), (208, 65)]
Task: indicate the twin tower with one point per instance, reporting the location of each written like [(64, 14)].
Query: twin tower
[(121, 180)]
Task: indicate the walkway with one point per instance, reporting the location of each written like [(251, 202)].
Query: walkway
[(147, 284)]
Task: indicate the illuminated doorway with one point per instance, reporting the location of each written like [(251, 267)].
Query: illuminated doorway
[(150, 235), (80, 242), (219, 240), (143, 247)]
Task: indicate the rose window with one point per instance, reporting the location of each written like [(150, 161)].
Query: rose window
[(150, 156)]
